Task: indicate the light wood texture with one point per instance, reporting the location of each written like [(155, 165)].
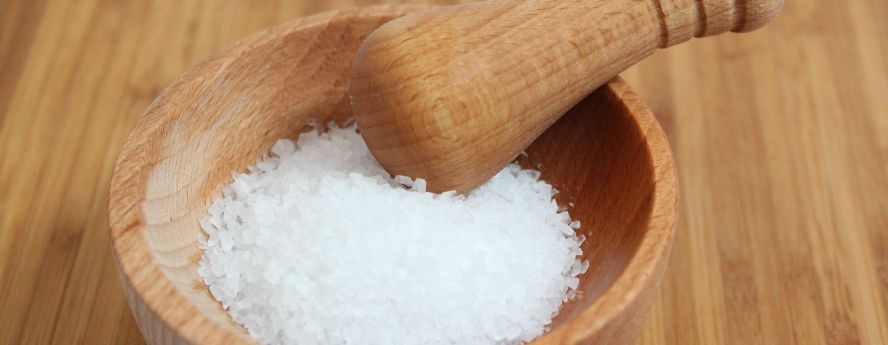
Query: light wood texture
[(453, 94), (609, 157), (782, 229)]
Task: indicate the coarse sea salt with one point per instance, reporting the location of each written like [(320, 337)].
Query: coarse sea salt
[(316, 244)]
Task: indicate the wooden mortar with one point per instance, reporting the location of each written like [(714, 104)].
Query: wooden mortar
[(608, 156)]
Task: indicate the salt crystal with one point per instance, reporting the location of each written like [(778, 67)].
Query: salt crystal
[(419, 185), (316, 244), (404, 180)]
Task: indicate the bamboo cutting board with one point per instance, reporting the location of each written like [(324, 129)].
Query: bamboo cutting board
[(781, 140)]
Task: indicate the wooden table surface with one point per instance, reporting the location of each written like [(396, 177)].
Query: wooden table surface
[(781, 138)]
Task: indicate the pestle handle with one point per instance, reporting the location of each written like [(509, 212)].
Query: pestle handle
[(454, 93)]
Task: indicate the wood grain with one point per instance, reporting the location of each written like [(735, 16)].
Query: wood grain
[(780, 136), (455, 93)]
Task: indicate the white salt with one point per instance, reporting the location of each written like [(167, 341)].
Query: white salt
[(316, 244)]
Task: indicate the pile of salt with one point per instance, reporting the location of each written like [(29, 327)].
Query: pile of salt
[(317, 245)]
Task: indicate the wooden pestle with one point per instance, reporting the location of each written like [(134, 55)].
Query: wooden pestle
[(455, 93)]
